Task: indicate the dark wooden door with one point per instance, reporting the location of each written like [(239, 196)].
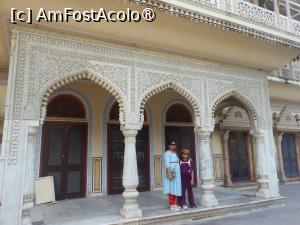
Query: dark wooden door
[(289, 155), (184, 138), (64, 158), (115, 154), (239, 159)]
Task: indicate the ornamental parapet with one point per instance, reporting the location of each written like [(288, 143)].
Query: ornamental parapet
[(277, 23), (290, 73)]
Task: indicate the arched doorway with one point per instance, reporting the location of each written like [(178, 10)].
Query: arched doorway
[(233, 124), (289, 155), (179, 127), (239, 156), (64, 144), (115, 154)]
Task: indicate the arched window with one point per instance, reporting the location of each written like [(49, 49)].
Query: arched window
[(114, 113), (178, 113), (66, 106)]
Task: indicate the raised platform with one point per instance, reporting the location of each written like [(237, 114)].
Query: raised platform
[(105, 210)]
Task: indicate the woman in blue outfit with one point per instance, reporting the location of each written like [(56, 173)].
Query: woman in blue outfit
[(172, 178)]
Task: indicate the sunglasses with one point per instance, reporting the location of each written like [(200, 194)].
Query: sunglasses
[(173, 144)]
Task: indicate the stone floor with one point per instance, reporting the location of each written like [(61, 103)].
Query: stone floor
[(105, 209), (289, 214)]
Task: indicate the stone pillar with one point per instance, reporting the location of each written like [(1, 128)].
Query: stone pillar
[(130, 176), (12, 155), (250, 155), (281, 173), (227, 173), (207, 198), (261, 165), (297, 142), (28, 194)]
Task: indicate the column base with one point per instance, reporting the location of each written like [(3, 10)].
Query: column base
[(208, 200), (130, 207), (283, 180), (228, 182), (131, 211), (27, 206), (263, 188)]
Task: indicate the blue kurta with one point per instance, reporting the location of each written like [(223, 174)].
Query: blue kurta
[(172, 187)]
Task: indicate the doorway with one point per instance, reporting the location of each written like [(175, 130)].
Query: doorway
[(115, 154), (64, 146), (238, 155), (289, 155)]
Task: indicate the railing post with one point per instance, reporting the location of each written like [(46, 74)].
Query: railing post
[(288, 9), (277, 13)]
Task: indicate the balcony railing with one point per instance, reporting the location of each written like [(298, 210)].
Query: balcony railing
[(279, 14), (290, 72)]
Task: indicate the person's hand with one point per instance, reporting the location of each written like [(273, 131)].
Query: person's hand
[(192, 182), (170, 175)]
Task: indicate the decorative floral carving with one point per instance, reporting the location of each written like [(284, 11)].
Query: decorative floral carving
[(48, 61), (243, 100), (255, 13), (151, 83)]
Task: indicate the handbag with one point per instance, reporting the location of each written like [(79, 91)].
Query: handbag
[(170, 174)]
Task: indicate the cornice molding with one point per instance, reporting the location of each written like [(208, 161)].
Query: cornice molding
[(217, 22)]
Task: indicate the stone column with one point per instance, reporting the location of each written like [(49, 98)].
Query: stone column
[(281, 173), (207, 198), (297, 142), (250, 155), (261, 165), (227, 173), (28, 194), (130, 176)]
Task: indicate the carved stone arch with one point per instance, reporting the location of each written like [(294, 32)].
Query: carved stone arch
[(84, 74), (239, 101), (178, 89)]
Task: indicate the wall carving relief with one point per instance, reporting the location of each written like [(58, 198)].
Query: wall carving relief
[(47, 61), (286, 120)]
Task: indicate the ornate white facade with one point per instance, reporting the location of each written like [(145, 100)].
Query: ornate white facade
[(42, 62)]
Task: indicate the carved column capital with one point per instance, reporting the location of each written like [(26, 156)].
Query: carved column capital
[(129, 132), (203, 135), (257, 134)]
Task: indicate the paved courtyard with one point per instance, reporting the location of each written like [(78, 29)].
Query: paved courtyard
[(105, 209), (287, 215)]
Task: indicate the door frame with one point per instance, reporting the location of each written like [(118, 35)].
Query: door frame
[(248, 159), (44, 142), (109, 164), (296, 155)]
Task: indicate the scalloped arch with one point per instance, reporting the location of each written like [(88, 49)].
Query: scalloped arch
[(84, 74), (241, 101), (177, 88)]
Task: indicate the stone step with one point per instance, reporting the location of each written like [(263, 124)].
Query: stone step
[(197, 214)]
